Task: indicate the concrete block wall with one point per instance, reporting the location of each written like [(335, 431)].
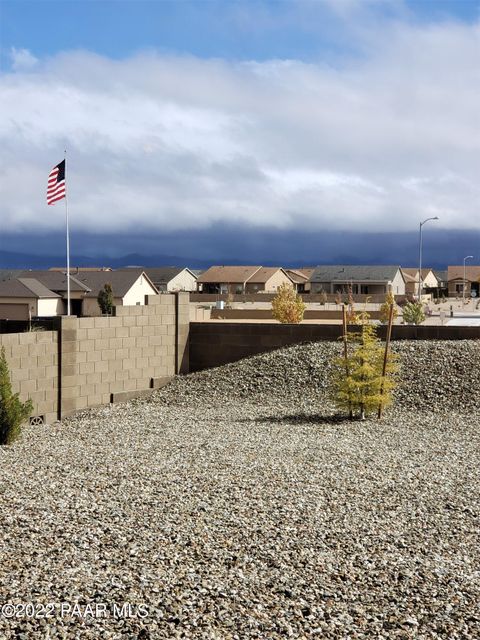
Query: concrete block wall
[(33, 362), (93, 361)]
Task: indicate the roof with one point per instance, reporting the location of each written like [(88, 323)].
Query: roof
[(228, 274), (297, 276), (25, 288), (441, 275), (355, 273), (163, 275), (8, 274), (410, 273), (55, 280), (75, 270), (121, 280), (264, 274), (472, 273)]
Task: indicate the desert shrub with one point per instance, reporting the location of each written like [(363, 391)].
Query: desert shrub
[(385, 308), (13, 412), (105, 299), (359, 384), (287, 306), (413, 313)]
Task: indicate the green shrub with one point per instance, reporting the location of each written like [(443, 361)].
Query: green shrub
[(105, 299), (13, 412), (413, 313)]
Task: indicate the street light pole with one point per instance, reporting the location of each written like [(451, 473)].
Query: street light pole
[(465, 276), (420, 258)]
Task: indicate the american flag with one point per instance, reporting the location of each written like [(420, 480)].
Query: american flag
[(56, 183)]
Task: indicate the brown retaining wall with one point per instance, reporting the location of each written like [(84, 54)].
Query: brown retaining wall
[(93, 361), (215, 343), (266, 314)]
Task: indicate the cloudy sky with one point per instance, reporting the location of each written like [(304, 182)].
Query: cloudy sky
[(249, 119)]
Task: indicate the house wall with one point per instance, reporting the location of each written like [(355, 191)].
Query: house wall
[(50, 307), (184, 281), (137, 292), (398, 284), (271, 285), (92, 361)]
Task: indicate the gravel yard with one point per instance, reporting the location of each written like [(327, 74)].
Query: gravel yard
[(235, 504)]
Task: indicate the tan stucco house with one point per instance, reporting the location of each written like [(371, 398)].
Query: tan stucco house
[(411, 276), (457, 281), (25, 298), (267, 280)]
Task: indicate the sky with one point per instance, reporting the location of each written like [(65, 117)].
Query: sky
[(261, 129)]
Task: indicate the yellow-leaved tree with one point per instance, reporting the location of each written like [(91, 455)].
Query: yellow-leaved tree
[(360, 385), (287, 306), (385, 308)]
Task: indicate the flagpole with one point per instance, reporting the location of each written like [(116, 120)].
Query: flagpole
[(68, 239)]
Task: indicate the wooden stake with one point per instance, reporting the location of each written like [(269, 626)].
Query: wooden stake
[(385, 357), (345, 351)]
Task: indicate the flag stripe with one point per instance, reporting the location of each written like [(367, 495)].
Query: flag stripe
[(56, 189)]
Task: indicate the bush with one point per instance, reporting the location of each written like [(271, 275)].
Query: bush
[(359, 383), (13, 412), (385, 308), (287, 306), (105, 299), (413, 313)]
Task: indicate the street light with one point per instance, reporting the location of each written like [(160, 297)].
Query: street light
[(465, 276), (420, 258)]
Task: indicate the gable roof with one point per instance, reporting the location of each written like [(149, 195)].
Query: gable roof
[(472, 273), (121, 280), (55, 280), (298, 276), (228, 274), (8, 274), (355, 273), (25, 288), (264, 274), (163, 275)]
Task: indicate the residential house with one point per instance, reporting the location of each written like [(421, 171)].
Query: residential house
[(130, 287), (458, 278), (368, 280), (172, 278), (225, 279), (300, 279), (24, 298), (429, 281), (267, 280), (56, 281)]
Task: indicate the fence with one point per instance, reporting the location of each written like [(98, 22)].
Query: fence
[(212, 344), (86, 362)]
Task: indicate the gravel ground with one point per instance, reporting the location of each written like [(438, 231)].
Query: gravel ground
[(235, 504)]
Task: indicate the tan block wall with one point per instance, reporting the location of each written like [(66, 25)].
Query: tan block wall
[(100, 356), (33, 362)]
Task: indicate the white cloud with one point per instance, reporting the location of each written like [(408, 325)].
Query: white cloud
[(174, 142), (22, 59)]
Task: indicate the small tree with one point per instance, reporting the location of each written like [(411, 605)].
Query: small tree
[(287, 306), (13, 412), (413, 313), (105, 299), (385, 308), (359, 384)]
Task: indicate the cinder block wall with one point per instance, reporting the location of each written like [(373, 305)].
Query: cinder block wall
[(33, 361), (93, 361)]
